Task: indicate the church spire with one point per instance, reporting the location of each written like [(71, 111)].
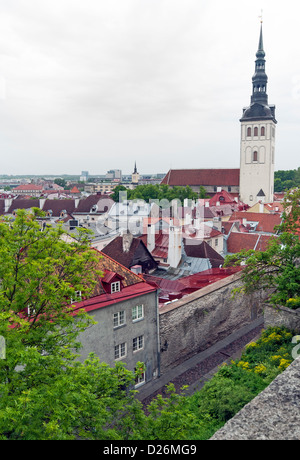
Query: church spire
[(259, 106), (260, 79)]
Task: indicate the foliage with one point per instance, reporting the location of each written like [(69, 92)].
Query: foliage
[(237, 383), (156, 192), (286, 180), (276, 270)]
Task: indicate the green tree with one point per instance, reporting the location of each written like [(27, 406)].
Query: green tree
[(46, 392), (60, 182), (277, 269), (116, 193)]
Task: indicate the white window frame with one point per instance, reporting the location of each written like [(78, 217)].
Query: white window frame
[(138, 343), (120, 351), (119, 318), (77, 297), (140, 380), (115, 287), (137, 313)]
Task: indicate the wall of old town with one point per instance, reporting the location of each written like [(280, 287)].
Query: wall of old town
[(199, 320)]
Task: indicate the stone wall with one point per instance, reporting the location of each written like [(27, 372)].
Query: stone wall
[(282, 316), (199, 320)]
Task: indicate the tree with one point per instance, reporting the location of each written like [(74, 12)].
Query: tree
[(46, 392), (276, 270), (60, 182), (115, 196)]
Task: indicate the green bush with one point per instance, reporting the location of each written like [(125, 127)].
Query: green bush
[(237, 383)]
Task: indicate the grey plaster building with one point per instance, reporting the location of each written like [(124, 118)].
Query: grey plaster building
[(125, 307)]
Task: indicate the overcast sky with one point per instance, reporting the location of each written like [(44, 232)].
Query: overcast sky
[(99, 84)]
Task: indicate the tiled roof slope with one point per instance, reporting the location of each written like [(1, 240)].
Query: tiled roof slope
[(106, 263), (23, 203), (57, 206), (266, 222), (212, 177), (137, 248), (238, 241)]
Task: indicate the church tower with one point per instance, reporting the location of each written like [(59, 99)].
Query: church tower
[(135, 177), (258, 125)]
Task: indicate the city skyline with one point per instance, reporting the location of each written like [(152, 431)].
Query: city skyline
[(100, 86)]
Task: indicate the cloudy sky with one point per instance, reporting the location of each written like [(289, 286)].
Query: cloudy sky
[(99, 84)]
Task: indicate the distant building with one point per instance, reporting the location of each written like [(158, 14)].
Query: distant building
[(135, 176), (84, 176), (210, 179)]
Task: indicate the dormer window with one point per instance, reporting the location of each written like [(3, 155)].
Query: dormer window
[(112, 282), (77, 297), (115, 287)]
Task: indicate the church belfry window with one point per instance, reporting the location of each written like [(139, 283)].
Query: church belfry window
[(248, 132), (255, 155), (256, 131), (262, 131)]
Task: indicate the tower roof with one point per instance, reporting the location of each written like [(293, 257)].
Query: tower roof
[(260, 50), (259, 108)]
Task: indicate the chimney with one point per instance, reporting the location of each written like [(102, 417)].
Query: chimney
[(217, 223), (126, 241), (150, 237), (42, 201), (175, 246), (7, 203), (261, 207)]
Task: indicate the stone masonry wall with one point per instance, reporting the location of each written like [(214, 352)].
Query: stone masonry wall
[(199, 320)]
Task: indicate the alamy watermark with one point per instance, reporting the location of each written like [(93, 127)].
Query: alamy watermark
[(296, 339), (2, 347)]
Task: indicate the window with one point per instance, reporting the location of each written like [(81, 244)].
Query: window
[(216, 242), (115, 287), (77, 297), (255, 156), (140, 378), (256, 131), (137, 312), (138, 343), (262, 131), (120, 350), (248, 132), (119, 318)]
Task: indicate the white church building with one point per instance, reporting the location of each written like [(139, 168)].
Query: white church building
[(258, 123)]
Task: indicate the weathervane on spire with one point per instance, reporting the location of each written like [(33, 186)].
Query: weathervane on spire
[(261, 17)]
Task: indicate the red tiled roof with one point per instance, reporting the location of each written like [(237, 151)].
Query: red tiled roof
[(105, 299), (28, 187), (266, 222), (222, 197), (212, 177), (237, 241)]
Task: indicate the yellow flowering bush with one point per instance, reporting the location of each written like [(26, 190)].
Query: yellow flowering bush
[(284, 363), (260, 369), (243, 365), (293, 303)]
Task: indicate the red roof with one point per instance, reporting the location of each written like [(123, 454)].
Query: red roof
[(175, 289), (104, 300), (28, 187), (237, 241), (266, 222), (213, 177)]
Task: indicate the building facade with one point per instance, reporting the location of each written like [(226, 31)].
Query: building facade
[(257, 154)]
